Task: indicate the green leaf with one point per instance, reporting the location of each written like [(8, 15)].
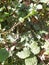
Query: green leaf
[(6, 14), (24, 54), (33, 12), (31, 61), (36, 27), (2, 8), (3, 54), (0, 26), (45, 32), (1, 19), (35, 48), (44, 1)]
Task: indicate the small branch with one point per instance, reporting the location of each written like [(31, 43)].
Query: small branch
[(12, 28)]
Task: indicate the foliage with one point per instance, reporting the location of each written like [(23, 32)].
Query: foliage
[(24, 32), (3, 55)]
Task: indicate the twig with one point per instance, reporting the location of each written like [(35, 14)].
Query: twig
[(12, 28)]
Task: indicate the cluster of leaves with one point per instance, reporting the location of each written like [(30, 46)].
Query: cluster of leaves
[(24, 32)]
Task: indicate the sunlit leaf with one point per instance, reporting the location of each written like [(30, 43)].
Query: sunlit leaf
[(34, 48), (6, 14), (24, 54), (44, 1), (31, 61)]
